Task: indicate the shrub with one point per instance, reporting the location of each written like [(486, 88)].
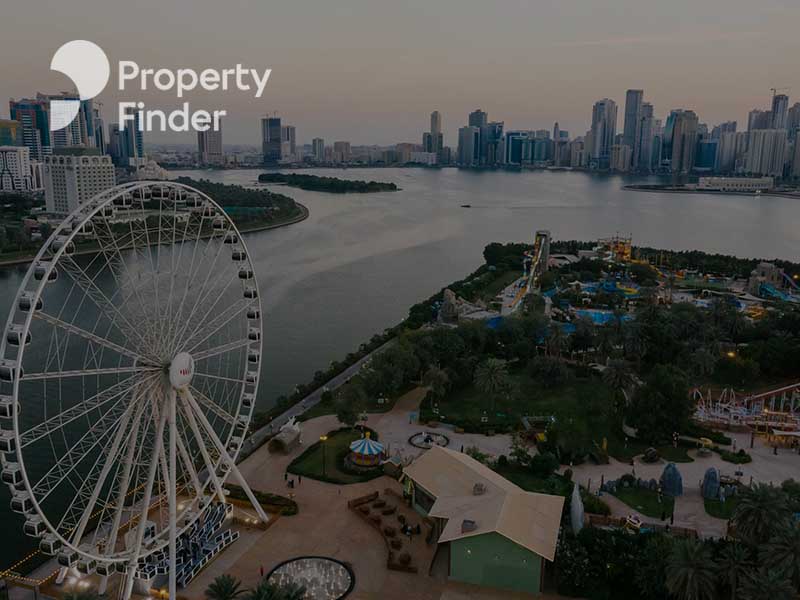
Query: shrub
[(594, 505), (276, 446), (567, 474), (502, 461), (544, 465), (738, 458)]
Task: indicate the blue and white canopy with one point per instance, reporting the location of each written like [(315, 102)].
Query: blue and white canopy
[(366, 447)]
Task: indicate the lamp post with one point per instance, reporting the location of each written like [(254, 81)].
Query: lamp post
[(323, 439)]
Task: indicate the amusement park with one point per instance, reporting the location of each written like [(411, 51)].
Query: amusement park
[(560, 392)]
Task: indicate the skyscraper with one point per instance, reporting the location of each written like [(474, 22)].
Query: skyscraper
[(341, 151), (99, 128), (469, 138), (633, 122), (684, 141), (288, 142), (437, 137), (731, 152), (74, 175), (643, 146), (780, 111), (318, 149), (209, 147), (15, 169), (10, 132), (766, 154), (271, 140), (480, 119), (494, 143), (604, 130), (793, 121), (726, 127), (759, 119), (33, 116)]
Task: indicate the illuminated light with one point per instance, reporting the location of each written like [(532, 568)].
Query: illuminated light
[(731, 354)]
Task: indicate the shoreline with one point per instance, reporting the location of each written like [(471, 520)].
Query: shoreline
[(304, 214), (673, 190)]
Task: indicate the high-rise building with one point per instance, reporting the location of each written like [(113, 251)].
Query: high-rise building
[(341, 151), (480, 119), (731, 152), (793, 120), (99, 128), (642, 159), (318, 149), (134, 141), (271, 140), (633, 123), (436, 139), (766, 153), (620, 158), (577, 153), (796, 162), (288, 142), (469, 140), (209, 147), (494, 143), (684, 141), (16, 172), (74, 175), (34, 118), (780, 111), (10, 132), (604, 130), (759, 119)]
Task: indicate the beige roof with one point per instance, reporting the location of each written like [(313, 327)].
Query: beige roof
[(529, 519)]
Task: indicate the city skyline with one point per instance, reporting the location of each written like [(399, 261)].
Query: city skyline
[(385, 96)]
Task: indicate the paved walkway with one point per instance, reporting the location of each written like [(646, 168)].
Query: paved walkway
[(689, 509)]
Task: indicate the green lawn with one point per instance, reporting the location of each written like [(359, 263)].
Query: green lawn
[(310, 463), (624, 453), (721, 510), (646, 501), (524, 478)]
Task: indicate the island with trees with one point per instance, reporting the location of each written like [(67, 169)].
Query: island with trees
[(332, 185)]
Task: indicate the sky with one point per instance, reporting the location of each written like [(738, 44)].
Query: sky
[(371, 71)]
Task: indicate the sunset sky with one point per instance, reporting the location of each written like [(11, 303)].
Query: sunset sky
[(371, 71)]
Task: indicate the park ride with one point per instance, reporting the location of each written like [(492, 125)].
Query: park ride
[(763, 412), (534, 264), (128, 377)]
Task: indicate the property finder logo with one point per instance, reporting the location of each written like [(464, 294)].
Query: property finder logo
[(87, 66)]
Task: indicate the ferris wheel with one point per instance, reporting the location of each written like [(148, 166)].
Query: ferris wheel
[(128, 376)]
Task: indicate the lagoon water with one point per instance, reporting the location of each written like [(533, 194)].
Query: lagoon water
[(360, 260)]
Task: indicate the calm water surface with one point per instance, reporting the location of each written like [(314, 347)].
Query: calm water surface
[(360, 260)]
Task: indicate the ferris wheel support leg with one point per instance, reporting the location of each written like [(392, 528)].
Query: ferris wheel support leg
[(225, 456), (173, 500), (148, 494), (210, 466)]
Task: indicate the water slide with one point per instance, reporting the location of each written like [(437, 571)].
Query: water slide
[(769, 291), (791, 281)]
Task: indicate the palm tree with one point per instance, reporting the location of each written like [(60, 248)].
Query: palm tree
[(556, 341), (437, 380), (491, 378), (783, 552), (772, 584), (691, 571), (734, 564), (761, 512), (265, 591), (224, 587), (293, 591)]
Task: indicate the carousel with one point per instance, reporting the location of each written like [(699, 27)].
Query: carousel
[(366, 452)]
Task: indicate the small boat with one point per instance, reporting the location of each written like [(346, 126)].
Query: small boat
[(466, 206)]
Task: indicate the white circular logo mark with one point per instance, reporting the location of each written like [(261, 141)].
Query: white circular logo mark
[(87, 66)]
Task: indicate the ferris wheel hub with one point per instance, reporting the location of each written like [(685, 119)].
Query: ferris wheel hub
[(181, 370)]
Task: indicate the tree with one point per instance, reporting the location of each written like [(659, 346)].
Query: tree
[(618, 376), (556, 340), (733, 566), (351, 402), (691, 571), (437, 380), (662, 405), (761, 512), (265, 591), (651, 574), (767, 584), (783, 552), (491, 378), (293, 591), (224, 587)]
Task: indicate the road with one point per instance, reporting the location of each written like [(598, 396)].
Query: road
[(259, 436)]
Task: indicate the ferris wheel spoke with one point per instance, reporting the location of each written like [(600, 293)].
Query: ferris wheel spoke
[(74, 329), (68, 462), (87, 373), (102, 301), (217, 377), (210, 466), (81, 409), (201, 301), (190, 467), (207, 329), (193, 408), (83, 502), (223, 349), (212, 406)]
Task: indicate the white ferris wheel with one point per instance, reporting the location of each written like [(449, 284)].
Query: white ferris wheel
[(128, 377)]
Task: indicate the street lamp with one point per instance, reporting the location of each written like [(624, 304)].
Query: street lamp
[(323, 439)]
